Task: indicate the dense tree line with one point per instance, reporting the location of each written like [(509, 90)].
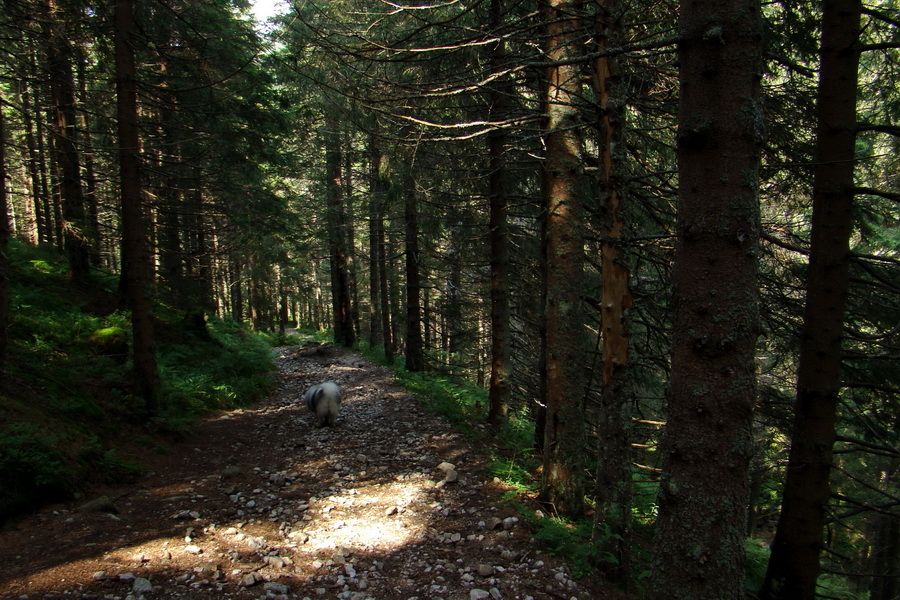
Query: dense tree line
[(664, 236)]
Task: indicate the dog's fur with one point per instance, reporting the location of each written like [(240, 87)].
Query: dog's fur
[(324, 399)]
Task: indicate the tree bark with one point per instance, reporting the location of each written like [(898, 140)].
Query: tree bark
[(499, 390), (136, 269), (707, 445), (387, 332), (236, 288), (613, 482), (65, 143), (415, 356), (562, 485), (794, 563), (336, 223), (4, 247), (91, 209), (34, 161), (885, 556), (376, 194)]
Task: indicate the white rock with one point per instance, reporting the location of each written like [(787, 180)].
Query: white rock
[(479, 594)]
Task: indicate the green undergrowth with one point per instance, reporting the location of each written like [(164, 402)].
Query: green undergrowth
[(69, 418), (517, 464)]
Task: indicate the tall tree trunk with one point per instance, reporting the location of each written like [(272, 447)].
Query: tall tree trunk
[(387, 335), (794, 563), (34, 159), (45, 159), (453, 309), (376, 194), (499, 390), (65, 132), (613, 482), (563, 473), (350, 236), (415, 356), (135, 257), (703, 497), (336, 222), (237, 290), (885, 537), (4, 247), (92, 217)]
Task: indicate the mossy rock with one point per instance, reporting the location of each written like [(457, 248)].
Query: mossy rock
[(110, 341)]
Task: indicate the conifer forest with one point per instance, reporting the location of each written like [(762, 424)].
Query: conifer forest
[(659, 240)]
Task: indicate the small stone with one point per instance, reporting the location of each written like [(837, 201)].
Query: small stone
[(193, 549), (495, 594), (250, 579), (101, 504), (275, 562), (98, 575), (451, 476), (445, 466), (231, 471), (391, 511), (479, 594), (142, 586), (493, 523), (485, 570), (127, 577), (276, 589)]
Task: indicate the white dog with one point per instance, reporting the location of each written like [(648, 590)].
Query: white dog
[(324, 399)]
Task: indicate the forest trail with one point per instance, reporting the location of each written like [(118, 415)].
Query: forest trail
[(258, 503)]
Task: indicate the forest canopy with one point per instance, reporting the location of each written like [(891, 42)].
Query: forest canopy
[(663, 237)]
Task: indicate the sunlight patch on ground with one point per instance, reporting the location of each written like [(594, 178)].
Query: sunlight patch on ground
[(381, 517)]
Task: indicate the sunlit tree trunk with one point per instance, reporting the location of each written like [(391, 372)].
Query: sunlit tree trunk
[(794, 563), (563, 465), (136, 269), (235, 271), (707, 445), (4, 246), (613, 483), (34, 160), (387, 330)]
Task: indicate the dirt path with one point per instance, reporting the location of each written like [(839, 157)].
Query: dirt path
[(260, 504)]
